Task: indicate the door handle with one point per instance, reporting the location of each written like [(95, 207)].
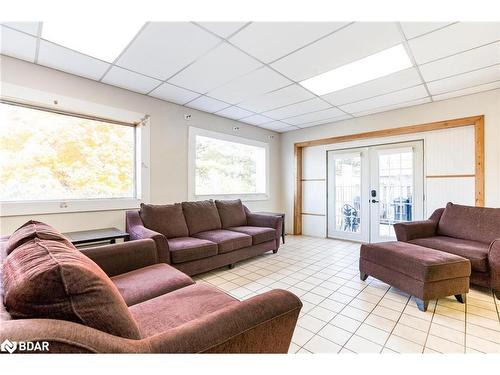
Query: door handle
[(374, 201)]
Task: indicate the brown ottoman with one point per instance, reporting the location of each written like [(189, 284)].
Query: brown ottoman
[(422, 272)]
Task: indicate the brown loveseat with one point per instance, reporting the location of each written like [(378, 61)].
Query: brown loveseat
[(120, 299), (196, 237), (470, 232)]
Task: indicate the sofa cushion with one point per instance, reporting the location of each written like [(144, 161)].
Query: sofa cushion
[(173, 309), (259, 234), (201, 216), (418, 262), (470, 223), (476, 252), (226, 240), (231, 212), (52, 280), (167, 219), (185, 249), (150, 282), (30, 230)]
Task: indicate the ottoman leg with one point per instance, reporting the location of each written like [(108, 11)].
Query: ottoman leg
[(363, 276), (422, 305), (460, 298)]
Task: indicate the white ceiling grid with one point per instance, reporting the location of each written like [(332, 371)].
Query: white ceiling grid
[(250, 71)]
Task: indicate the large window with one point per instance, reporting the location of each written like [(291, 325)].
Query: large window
[(48, 157), (224, 165)]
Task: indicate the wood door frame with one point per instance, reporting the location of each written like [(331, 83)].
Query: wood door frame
[(476, 121)]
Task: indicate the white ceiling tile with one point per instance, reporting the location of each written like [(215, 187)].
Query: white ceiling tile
[(286, 129), (296, 109), (468, 91), (216, 68), (256, 119), (222, 29), (454, 39), (414, 29), (254, 83), (16, 44), (462, 81), (173, 94), (392, 107), (269, 41), (397, 81), (342, 47), (276, 126), (324, 121), (279, 98), (67, 60), (27, 27), (412, 93), (164, 48), (130, 80), (204, 103), (314, 116), (462, 62), (235, 113)]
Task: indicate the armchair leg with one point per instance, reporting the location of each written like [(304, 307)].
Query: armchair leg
[(421, 304), (230, 266), (460, 298), (275, 251), (363, 276), (497, 294)]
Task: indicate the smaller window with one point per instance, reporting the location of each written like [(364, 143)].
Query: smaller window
[(228, 166)]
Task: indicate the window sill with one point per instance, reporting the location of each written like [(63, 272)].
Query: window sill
[(243, 197), (69, 206)]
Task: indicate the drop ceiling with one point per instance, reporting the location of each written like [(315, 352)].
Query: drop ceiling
[(250, 71)]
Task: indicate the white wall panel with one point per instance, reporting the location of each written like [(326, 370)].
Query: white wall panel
[(314, 197), (450, 151), (314, 162), (314, 226), (443, 190)]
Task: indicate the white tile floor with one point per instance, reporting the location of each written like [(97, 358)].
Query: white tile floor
[(342, 314)]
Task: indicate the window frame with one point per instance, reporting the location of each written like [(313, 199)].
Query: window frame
[(74, 108), (193, 133)]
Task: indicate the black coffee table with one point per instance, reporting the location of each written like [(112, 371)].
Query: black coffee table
[(96, 235)]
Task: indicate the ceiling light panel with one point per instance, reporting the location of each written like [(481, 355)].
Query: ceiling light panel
[(414, 29), (16, 44), (413, 93), (342, 47), (173, 94), (269, 41), (216, 68), (222, 29), (453, 39), (298, 109), (26, 27), (164, 48), (463, 62), (97, 39), (466, 80), (130, 80), (252, 84), (234, 113), (383, 85), (210, 105), (279, 98), (374, 66), (70, 61)]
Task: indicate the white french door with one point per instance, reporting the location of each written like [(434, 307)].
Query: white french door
[(372, 188)]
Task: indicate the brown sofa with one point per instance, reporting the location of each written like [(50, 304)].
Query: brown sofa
[(120, 299), (196, 237), (470, 232)]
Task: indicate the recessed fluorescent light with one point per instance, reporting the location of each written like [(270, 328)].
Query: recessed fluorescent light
[(374, 66), (103, 40)]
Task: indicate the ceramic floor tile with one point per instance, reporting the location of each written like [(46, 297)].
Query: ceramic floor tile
[(332, 305), (482, 345), (294, 348), (360, 345), (416, 323), (362, 305), (373, 334), (322, 313), (402, 345), (335, 334), (345, 323), (447, 333), (301, 336), (384, 324), (386, 313), (310, 323), (443, 346), (319, 344), (485, 333), (410, 333)]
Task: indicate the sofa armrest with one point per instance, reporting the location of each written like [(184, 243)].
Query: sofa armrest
[(123, 257), (268, 221), (261, 324), (137, 231), (415, 229), (494, 264)]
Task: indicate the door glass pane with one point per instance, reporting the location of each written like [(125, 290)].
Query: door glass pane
[(395, 189), (348, 193)]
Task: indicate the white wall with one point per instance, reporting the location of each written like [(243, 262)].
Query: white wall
[(486, 103), (168, 149)]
